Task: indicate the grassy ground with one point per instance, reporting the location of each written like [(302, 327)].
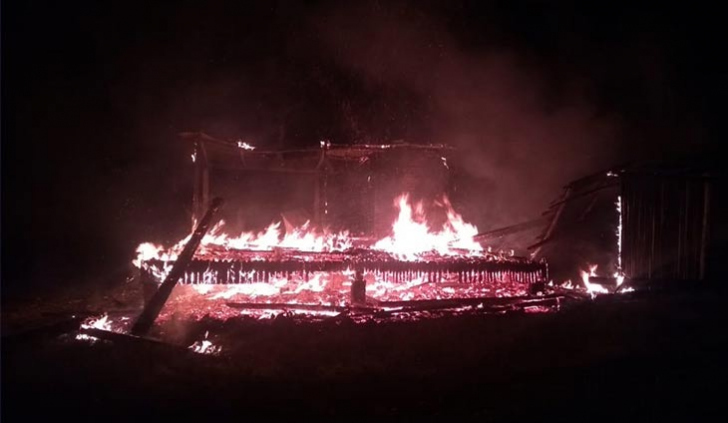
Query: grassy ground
[(657, 355)]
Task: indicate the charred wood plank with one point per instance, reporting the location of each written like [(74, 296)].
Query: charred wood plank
[(285, 306), (483, 306), (507, 230), (46, 330), (152, 309), (547, 235), (123, 339), (461, 302)]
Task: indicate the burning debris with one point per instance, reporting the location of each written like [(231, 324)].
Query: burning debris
[(94, 328), (420, 267), (205, 346), (414, 262)]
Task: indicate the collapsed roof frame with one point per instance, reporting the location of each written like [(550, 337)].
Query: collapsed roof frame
[(665, 217), (315, 161)]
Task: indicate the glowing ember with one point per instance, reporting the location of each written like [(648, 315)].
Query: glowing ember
[(619, 233), (537, 309), (412, 237), (592, 288), (619, 275), (245, 146), (302, 238), (205, 347), (315, 269), (102, 323), (148, 251)]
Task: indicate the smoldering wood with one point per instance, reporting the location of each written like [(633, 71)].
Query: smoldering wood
[(308, 158), (201, 186), (665, 221), (461, 302), (582, 230), (706, 227), (285, 306), (259, 267), (358, 288), (151, 310), (55, 328), (131, 341), (605, 281), (484, 304), (332, 201), (389, 307)]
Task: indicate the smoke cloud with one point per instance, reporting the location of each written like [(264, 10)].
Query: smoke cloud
[(519, 137)]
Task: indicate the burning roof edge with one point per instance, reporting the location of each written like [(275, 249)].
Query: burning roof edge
[(353, 151), (674, 166)]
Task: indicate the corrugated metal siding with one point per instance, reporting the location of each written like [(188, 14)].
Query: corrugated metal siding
[(664, 226)]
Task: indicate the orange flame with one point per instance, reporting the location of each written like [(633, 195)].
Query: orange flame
[(412, 237), (592, 288)]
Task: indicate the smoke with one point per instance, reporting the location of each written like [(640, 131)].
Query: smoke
[(95, 101), (519, 137)]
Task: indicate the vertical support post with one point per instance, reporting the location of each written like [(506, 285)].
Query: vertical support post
[(554, 221), (317, 198), (358, 289), (320, 201), (201, 194), (706, 224)]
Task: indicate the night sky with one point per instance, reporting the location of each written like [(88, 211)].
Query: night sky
[(536, 93)]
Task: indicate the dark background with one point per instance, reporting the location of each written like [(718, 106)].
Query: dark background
[(534, 93)]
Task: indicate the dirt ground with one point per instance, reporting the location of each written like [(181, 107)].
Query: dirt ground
[(649, 355)]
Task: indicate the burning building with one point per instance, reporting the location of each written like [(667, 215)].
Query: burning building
[(640, 222), (357, 236), (357, 232)]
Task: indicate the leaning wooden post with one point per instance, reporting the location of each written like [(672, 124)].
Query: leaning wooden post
[(151, 310), (201, 194)]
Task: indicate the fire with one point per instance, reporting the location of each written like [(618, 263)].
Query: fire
[(302, 238), (619, 275), (245, 146), (102, 323), (148, 251), (591, 287), (412, 237), (205, 346), (619, 233)]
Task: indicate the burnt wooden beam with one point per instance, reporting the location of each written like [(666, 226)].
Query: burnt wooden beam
[(507, 230), (705, 229), (585, 193), (476, 304), (201, 194), (285, 306), (547, 235), (461, 302), (131, 341), (151, 310)]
